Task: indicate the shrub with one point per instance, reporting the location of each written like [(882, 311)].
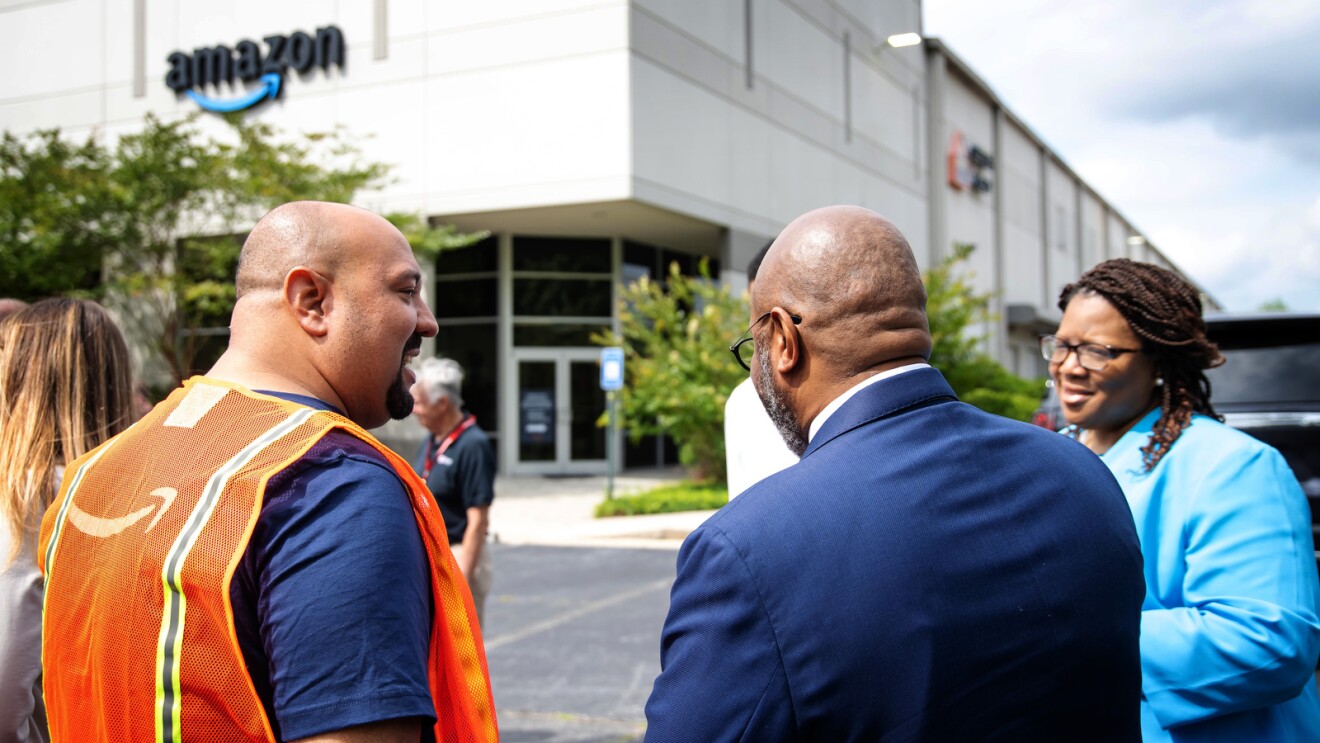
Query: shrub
[(683, 496), (954, 308), (678, 370)]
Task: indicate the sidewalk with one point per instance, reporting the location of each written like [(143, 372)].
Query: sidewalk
[(559, 511)]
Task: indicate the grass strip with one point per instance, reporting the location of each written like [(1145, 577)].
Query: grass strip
[(681, 496)]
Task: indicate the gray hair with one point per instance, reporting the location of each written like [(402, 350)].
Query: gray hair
[(441, 377)]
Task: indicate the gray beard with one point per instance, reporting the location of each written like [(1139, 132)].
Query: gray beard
[(778, 410)]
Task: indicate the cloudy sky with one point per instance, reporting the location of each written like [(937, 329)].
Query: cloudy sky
[(1198, 119)]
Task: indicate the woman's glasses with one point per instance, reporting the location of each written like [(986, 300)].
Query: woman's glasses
[(1093, 356)]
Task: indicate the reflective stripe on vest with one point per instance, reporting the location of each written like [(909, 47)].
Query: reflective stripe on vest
[(168, 693), (139, 641)]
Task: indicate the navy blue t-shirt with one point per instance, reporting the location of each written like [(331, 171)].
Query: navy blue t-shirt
[(332, 599)]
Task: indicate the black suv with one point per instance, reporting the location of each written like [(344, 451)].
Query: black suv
[(1270, 388)]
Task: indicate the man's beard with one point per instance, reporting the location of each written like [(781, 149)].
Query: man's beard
[(398, 399), (775, 407)]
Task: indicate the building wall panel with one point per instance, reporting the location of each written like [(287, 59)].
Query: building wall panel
[(1061, 228)]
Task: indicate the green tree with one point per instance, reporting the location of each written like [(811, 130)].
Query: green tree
[(680, 373), (679, 370), (182, 201), (428, 241), (954, 308), (161, 214), (1274, 305), (54, 195)]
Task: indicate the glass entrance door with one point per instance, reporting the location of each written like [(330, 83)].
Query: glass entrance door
[(559, 402)]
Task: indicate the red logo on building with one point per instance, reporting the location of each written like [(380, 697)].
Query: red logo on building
[(969, 166)]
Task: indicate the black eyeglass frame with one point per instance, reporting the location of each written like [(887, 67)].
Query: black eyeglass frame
[(1107, 352), (746, 337)]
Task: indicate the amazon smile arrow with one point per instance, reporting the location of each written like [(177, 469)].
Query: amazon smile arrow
[(269, 88)]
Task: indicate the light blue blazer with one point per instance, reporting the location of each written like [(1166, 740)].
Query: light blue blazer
[(1229, 629)]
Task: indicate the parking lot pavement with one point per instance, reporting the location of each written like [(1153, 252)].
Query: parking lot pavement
[(573, 640)]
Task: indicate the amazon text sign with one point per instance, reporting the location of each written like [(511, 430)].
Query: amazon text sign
[(250, 62)]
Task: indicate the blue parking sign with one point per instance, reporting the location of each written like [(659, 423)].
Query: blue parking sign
[(611, 368)]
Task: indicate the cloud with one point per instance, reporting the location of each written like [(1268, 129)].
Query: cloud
[(1250, 69), (1238, 217), (1244, 269), (1246, 84)]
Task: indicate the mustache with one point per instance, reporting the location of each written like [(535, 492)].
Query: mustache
[(414, 343)]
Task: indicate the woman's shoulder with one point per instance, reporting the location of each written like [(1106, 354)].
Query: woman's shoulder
[(1208, 437), (1204, 427)]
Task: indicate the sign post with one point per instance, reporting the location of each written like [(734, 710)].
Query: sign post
[(611, 380)]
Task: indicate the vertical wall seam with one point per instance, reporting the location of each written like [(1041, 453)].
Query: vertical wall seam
[(380, 45), (1044, 288), (1000, 343), (139, 48), (747, 43), (847, 87)]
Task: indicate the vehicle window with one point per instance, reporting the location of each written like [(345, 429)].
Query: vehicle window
[(1279, 374)]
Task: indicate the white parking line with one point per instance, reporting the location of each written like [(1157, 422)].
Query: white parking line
[(581, 611)]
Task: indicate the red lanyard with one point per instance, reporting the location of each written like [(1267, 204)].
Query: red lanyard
[(449, 440)]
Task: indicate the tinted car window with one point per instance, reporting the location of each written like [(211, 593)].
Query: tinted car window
[(1279, 374)]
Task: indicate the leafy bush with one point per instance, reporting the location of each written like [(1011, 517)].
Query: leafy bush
[(954, 307), (679, 372), (683, 496), (152, 222)]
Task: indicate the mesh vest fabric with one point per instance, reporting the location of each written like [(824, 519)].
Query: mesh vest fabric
[(138, 552)]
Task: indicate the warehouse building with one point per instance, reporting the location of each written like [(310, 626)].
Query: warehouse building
[(598, 141)]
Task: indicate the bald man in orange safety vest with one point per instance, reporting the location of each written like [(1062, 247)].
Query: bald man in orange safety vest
[(248, 562)]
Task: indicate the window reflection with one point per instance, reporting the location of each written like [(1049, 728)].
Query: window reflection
[(575, 255)]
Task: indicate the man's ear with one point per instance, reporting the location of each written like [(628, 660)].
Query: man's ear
[(785, 342), (308, 295)]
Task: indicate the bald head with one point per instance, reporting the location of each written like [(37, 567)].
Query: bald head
[(851, 275), (10, 306), (330, 303), (301, 233)]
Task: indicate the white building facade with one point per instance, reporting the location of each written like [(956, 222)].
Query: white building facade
[(598, 141)]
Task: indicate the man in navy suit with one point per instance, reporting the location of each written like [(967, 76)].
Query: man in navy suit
[(928, 572)]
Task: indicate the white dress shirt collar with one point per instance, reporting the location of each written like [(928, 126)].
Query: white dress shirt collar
[(838, 402)]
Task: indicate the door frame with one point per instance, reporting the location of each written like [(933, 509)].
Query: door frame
[(563, 463)]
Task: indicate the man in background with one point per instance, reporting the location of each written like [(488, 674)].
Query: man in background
[(10, 306), (753, 449), (458, 464)]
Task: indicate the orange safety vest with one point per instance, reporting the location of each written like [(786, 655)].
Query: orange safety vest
[(139, 641)]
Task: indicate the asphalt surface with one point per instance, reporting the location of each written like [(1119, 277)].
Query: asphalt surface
[(573, 640)]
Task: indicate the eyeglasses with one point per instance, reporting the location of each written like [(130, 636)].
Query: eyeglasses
[(1093, 356), (744, 342)]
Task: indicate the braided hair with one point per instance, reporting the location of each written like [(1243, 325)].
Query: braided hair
[(1164, 310)]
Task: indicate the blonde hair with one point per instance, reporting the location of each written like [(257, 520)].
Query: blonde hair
[(65, 387)]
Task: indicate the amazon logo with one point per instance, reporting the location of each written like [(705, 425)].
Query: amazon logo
[(251, 62), (102, 526)]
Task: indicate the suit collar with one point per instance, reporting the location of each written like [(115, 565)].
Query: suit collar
[(838, 402), (881, 400)]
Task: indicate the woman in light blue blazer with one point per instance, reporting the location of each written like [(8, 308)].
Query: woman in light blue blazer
[(1229, 628)]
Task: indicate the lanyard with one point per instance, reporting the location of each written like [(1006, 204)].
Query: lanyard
[(449, 440)]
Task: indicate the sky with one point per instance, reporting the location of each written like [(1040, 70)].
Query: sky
[(1199, 120)]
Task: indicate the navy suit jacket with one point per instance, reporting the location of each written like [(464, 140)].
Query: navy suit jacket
[(927, 572)]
